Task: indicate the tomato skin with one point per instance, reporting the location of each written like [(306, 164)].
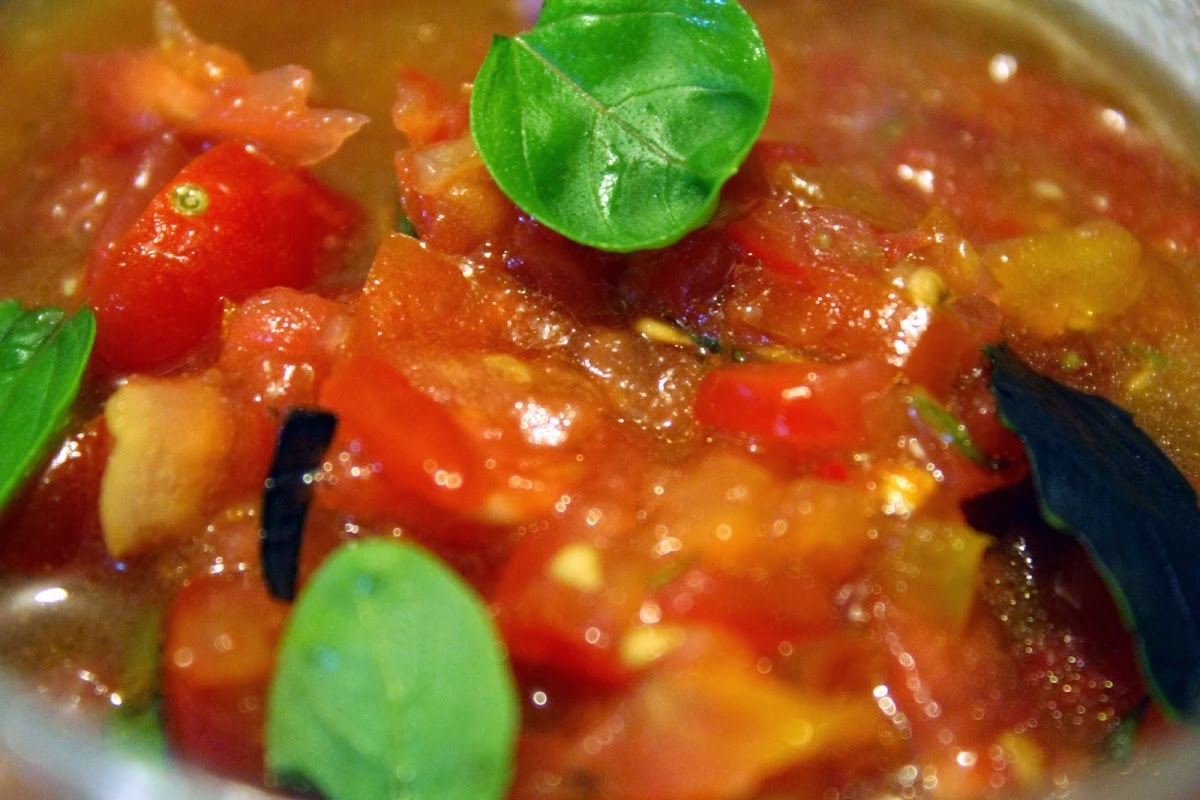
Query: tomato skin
[(279, 345), (157, 294), (55, 521), (687, 281), (209, 92), (418, 444), (550, 624), (218, 655), (812, 407), (953, 344)]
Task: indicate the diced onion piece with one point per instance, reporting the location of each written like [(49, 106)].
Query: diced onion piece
[(170, 438), (1068, 280), (643, 645), (578, 566)]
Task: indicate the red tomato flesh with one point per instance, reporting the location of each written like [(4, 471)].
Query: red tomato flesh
[(218, 655), (812, 407), (419, 446), (231, 223)]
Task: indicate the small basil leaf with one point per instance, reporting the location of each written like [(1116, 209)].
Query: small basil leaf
[(42, 358), (615, 122), (392, 682), (1102, 479)]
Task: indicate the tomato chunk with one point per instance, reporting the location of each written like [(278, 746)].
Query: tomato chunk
[(56, 522), (208, 91), (813, 407), (206, 236), (418, 444), (278, 346), (554, 615), (218, 655)]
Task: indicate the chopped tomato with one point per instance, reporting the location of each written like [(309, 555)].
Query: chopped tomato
[(813, 407), (953, 343), (566, 605), (231, 223), (823, 283), (450, 198), (181, 451), (962, 683), (832, 312), (765, 610), (209, 92), (569, 276), (55, 521), (416, 297), (791, 239), (278, 346), (218, 654), (686, 282), (424, 113), (418, 445), (706, 724)]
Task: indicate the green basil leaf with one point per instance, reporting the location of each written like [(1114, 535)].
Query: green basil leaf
[(392, 682), (615, 122), (138, 732), (1102, 479), (42, 358)]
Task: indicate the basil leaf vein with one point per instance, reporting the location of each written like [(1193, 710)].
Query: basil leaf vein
[(43, 354), (1100, 478), (392, 681), (615, 123)]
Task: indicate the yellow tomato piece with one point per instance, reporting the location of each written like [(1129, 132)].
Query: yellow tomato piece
[(738, 518), (170, 438), (719, 509), (1068, 280), (1025, 759), (762, 726), (712, 724), (934, 571)]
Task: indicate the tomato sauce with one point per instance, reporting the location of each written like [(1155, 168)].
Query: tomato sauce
[(742, 508)]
